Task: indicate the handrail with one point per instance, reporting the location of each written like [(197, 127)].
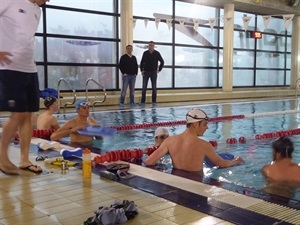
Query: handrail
[(87, 90), (58, 90), (297, 87)]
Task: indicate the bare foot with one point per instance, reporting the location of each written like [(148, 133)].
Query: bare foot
[(28, 166), (9, 169)]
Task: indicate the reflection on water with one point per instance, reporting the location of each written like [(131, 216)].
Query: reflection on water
[(256, 153)]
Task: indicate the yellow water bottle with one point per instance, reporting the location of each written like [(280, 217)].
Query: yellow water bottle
[(86, 163)]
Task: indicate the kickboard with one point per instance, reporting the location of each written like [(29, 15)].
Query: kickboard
[(97, 131), (62, 146), (226, 156)]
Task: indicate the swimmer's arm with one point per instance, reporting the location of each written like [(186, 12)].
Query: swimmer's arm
[(265, 171), (218, 161), (54, 123), (65, 130), (157, 154)]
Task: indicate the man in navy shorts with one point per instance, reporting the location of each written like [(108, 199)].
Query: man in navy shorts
[(19, 86)]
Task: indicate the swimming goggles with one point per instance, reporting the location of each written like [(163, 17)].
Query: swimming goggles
[(196, 117), (84, 104)]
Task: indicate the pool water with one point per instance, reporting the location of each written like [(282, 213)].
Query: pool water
[(256, 153)]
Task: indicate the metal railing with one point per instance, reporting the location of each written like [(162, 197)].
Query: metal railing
[(87, 90), (297, 87), (58, 90)]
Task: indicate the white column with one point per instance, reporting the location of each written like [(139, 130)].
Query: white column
[(228, 46), (295, 57), (126, 24)]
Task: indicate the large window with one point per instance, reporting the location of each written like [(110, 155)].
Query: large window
[(195, 56), (81, 40), (78, 41)]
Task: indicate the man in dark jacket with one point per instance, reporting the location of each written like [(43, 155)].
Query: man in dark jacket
[(129, 69), (150, 69)]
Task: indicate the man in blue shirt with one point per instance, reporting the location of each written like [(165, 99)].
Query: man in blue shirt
[(150, 69), (129, 69)]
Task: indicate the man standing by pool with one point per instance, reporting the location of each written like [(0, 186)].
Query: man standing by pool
[(129, 69), (187, 150), (19, 86), (150, 69)]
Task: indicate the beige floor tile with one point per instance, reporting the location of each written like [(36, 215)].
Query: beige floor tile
[(77, 220), (43, 220), (122, 194), (208, 220), (225, 223), (52, 203), (29, 194), (23, 217), (37, 200), (97, 200), (66, 188), (18, 209), (64, 215), (163, 222), (187, 217), (115, 189), (95, 206), (144, 218), (148, 201), (61, 208), (159, 206), (74, 192), (85, 195), (173, 211)]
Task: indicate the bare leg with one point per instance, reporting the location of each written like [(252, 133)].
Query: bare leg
[(25, 133), (8, 131)]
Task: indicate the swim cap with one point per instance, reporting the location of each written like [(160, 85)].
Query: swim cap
[(81, 102), (195, 115), (48, 101), (161, 131)]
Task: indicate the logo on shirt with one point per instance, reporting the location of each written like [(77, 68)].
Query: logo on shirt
[(22, 11)]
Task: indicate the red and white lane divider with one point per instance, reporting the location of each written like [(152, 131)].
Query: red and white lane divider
[(172, 123)]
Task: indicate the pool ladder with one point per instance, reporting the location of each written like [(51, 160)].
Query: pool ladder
[(87, 91), (297, 87), (58, 90)]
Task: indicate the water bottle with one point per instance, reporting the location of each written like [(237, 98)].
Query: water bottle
[(86, 163)]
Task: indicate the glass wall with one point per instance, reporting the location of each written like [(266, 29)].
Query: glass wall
[(195, 56), (79, 41)]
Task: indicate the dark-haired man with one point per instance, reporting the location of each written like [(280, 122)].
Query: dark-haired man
[(19, 85), (129, 69), (282, 168), (46, 120), (187, 150), (150, 69)]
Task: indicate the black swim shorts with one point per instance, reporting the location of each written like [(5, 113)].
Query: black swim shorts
[(19, 91)]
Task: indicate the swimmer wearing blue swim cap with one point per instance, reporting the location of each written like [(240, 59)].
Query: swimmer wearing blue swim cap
[(71, 127)]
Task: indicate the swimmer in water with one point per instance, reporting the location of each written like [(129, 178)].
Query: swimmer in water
[(187, 150), (282, 168), (161, 134), (46, 120), (80, 122)]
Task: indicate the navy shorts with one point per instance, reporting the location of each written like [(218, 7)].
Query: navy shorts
[(19, 91)]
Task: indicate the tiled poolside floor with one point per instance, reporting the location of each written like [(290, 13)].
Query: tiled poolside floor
[(67, 199)]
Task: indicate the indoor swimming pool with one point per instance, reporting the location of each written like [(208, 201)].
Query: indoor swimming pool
[(256, 153)]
